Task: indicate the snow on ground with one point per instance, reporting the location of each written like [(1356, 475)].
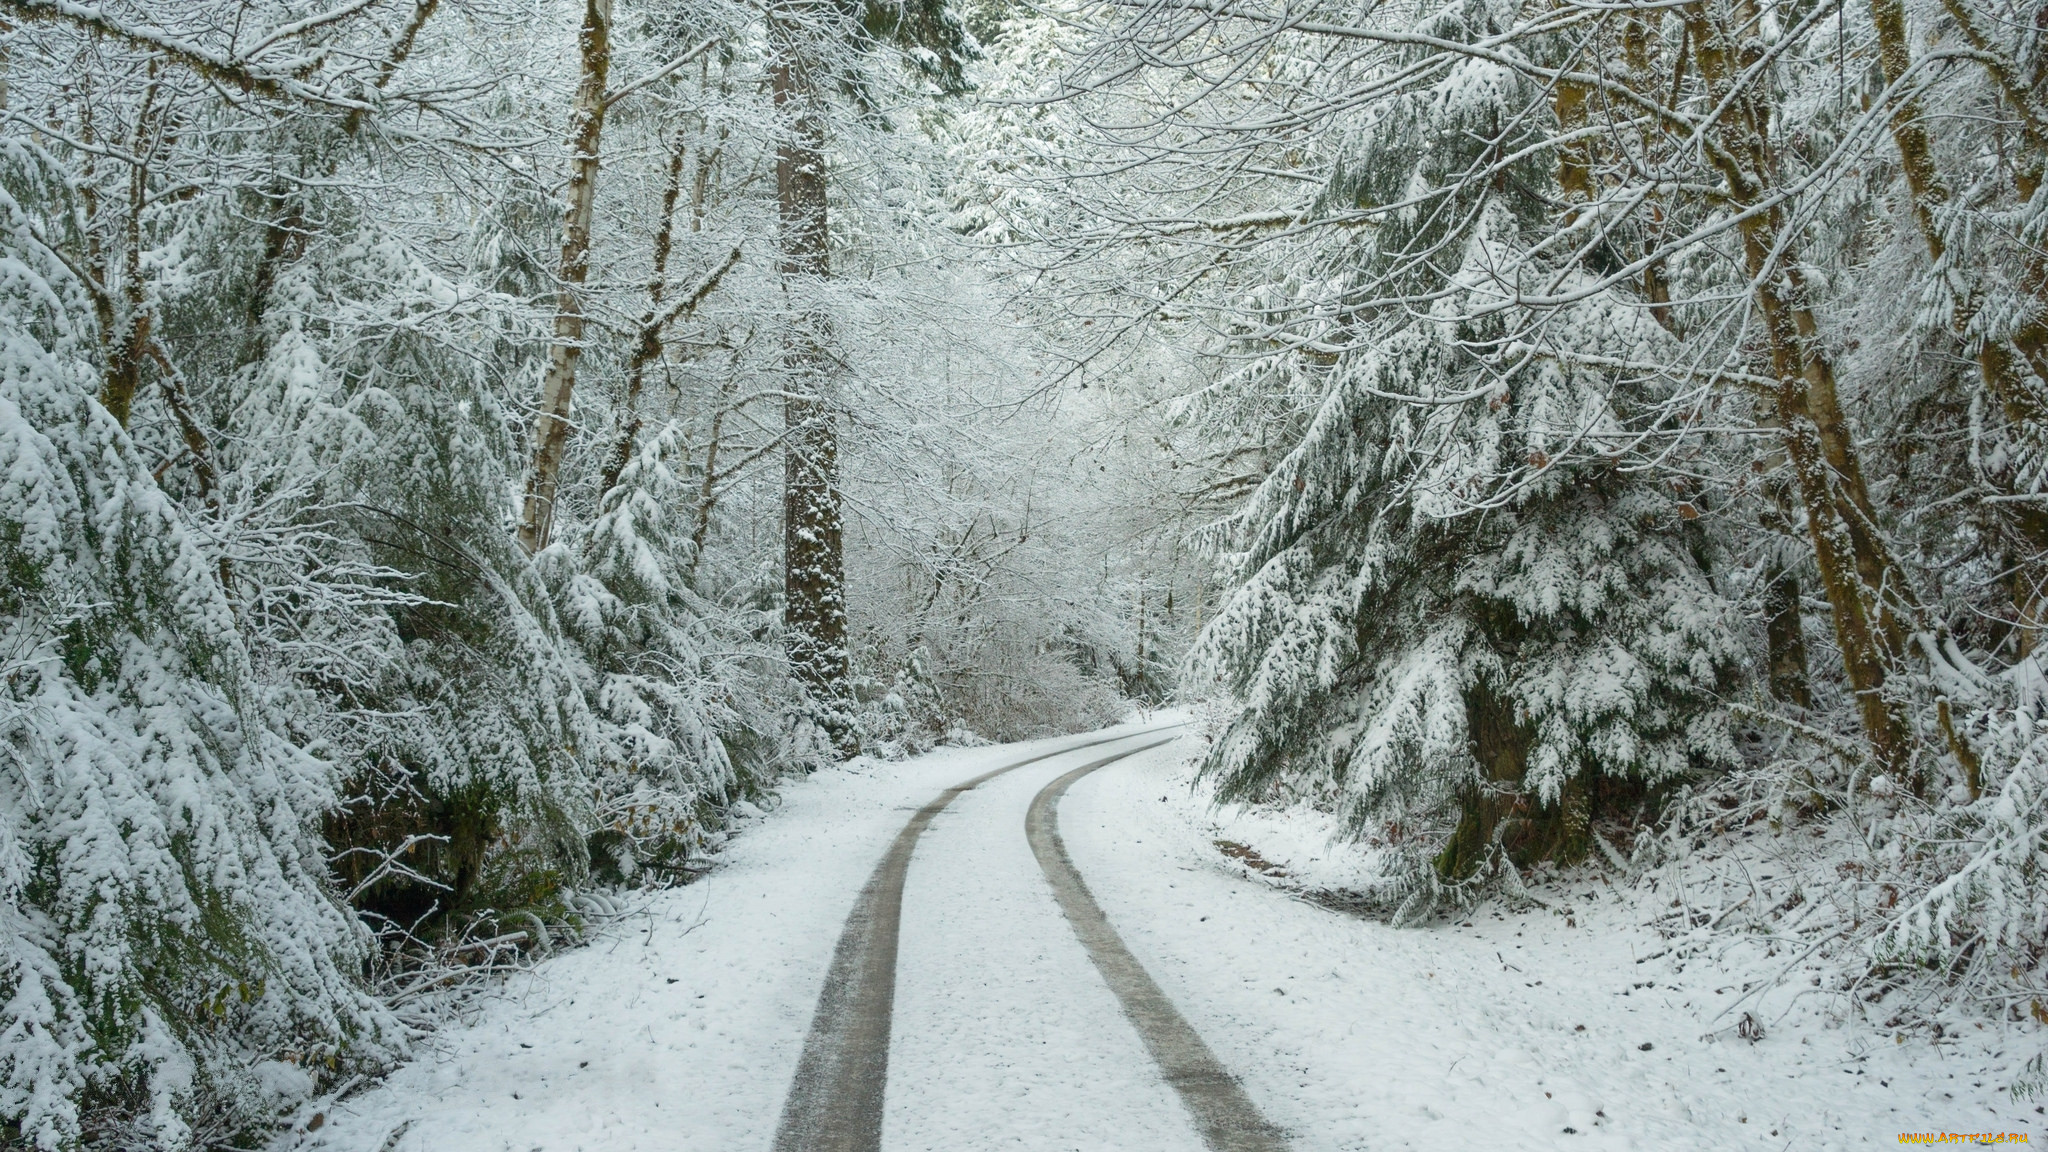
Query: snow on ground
[(1360, 1035), (682, 1029), (1005, 1036)]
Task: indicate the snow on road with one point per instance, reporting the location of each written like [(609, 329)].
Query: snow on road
[(1005, 1036), (681, 1030)]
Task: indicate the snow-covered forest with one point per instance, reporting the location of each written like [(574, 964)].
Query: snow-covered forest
[(458, 458)]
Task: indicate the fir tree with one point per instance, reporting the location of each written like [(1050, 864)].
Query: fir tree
[(1460, 614), (169, 924)]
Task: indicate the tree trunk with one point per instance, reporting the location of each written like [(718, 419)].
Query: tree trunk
[(1996, 364), (551, 425), (1497, 809), (707, 493), (814, 613), (1866, 588), (1500, 745), (2002, 372), (1785, 639), (124, 324), (649, 347)]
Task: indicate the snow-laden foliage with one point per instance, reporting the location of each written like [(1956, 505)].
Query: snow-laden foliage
[(1594, 398), (169, 923), (1466, 662), (1967, 893), (662, 674), (501, 709), (296, 298)]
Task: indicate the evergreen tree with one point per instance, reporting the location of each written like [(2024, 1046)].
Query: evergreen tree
[(818, 46), (169, 925), (1462, 613)]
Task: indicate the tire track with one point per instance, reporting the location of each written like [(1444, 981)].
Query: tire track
[(1225, 1116), (835, 1103)]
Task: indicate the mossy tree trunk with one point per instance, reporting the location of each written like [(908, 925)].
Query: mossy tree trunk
[(1500, 745)]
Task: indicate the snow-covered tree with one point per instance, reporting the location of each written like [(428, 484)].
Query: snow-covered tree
[(1460, 606), (1548, 340), (170, 926)]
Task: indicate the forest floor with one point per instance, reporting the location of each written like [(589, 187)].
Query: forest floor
[(680, 1028)]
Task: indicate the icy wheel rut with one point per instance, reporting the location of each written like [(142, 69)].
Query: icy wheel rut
[(1225, 1116), (836, 1101)]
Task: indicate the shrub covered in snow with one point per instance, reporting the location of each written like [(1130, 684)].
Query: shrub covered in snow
[(170, 928)]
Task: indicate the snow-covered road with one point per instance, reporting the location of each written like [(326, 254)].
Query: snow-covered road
[(838, 1099), (682, 1031)]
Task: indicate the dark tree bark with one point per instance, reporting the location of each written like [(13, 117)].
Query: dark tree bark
[(1500, 745), (1499, 812), (814, 580), (1785, 639)]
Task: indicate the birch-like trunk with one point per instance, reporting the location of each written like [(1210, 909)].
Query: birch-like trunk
[(551, 425)]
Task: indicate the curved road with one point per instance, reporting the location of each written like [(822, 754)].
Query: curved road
[(1024, 1012), (991, 1028)]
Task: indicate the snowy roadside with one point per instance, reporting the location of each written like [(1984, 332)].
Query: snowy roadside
[(1515, 1030), (678, 1029)]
